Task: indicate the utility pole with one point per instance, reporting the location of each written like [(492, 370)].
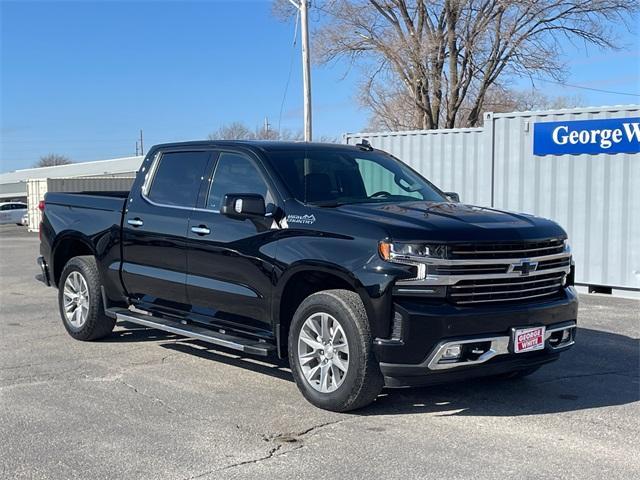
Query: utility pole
[(141, 144), (303, 7)]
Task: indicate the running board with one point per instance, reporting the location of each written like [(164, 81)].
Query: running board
[(189, 330)]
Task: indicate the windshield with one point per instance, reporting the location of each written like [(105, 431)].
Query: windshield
[(334, 177)]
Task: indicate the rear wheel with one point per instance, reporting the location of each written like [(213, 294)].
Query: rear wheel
[(330, 352), (80, 300)]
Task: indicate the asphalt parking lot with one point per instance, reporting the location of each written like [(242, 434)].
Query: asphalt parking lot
[(145, 404)]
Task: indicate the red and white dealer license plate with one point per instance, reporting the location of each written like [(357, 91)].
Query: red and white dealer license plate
[(528, 339)]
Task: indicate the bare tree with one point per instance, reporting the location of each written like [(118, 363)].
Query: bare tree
[(239, 131), (232, 131), (51, 160), (441, 58)]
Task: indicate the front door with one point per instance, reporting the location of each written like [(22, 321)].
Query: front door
[(229, 260), (155, 229)]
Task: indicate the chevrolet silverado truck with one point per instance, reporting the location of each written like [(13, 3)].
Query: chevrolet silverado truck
[(340, 258)]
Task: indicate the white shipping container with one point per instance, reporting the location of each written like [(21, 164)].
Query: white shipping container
[(595, 196), (38, 187)]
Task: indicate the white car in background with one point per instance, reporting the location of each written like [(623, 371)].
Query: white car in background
[(12, 212)]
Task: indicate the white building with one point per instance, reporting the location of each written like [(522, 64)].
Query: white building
[(13, 185)]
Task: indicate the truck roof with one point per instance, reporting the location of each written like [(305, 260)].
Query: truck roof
[(265, 145)]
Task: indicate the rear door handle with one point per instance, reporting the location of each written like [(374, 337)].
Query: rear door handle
[(135, 222), (201, 230)]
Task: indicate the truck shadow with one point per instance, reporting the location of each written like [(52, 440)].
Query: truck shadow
[(601, 370)]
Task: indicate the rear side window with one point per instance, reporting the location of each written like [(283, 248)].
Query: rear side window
[(177, 178)]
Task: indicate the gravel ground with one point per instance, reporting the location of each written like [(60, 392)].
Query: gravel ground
[(144, 404)]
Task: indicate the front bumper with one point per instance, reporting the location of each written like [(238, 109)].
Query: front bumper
[(422, 330)]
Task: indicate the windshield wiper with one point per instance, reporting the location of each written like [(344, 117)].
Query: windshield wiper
[(328, 204)]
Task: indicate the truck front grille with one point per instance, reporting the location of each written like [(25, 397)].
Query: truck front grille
[(507, 250), (515, 289), (525, 272)]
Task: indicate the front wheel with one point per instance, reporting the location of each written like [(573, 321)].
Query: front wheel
[(330, 352), (80, 300)]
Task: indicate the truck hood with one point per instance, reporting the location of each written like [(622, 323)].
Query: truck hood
[(452, 222)]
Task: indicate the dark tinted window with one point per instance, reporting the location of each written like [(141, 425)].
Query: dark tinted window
[(177, 178), (335, 176), (235, 173)]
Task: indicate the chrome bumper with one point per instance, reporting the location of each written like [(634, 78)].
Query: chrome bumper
[(498, 346)]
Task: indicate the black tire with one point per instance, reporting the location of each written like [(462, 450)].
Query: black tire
[(97, 324), (363, 381), (525, 372)]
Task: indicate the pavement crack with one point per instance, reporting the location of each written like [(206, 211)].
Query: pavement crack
[(151, 397), (276, 450), (293, 437)]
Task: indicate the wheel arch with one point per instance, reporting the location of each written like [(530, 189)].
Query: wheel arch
[(65, 248), (300, 281)]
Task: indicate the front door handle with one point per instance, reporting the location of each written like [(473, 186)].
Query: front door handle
[(135, 222), (201, 230)]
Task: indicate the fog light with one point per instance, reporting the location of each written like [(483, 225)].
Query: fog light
[(566, 335), (452, 352)]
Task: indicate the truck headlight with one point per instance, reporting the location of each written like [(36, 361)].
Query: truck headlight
[(567, 245), (404, 252)]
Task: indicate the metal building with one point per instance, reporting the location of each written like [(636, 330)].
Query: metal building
[(13, 185), (589, 182)]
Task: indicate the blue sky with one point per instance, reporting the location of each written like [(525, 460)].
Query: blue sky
[(81, 78)]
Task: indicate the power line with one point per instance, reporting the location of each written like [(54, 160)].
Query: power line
[(587, 88), (286, 87)]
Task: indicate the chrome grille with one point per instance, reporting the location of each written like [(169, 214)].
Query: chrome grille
[(506, 289), (507, 250), (485, 273)]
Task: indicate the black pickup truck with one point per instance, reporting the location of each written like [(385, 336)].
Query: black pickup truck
[(340, 257)]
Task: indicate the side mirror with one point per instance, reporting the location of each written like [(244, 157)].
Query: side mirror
[(243, 205), (452, 196)]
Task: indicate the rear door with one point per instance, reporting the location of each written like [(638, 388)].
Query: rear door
[(155, 227), (229, 259)]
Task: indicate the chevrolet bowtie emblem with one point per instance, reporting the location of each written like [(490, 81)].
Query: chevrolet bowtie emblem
[(524, 267)]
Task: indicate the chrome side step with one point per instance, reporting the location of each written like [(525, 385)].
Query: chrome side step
[(189, 330)]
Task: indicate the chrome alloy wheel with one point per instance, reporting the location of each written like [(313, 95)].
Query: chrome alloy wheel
[(76, 299), (323, 352)]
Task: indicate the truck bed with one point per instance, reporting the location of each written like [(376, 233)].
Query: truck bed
[(111, 201)]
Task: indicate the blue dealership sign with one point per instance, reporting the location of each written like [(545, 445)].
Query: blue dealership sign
[(611, 135)]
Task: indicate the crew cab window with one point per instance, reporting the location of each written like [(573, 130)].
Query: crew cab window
[(235, 173), (5, 207), (177, 178)]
